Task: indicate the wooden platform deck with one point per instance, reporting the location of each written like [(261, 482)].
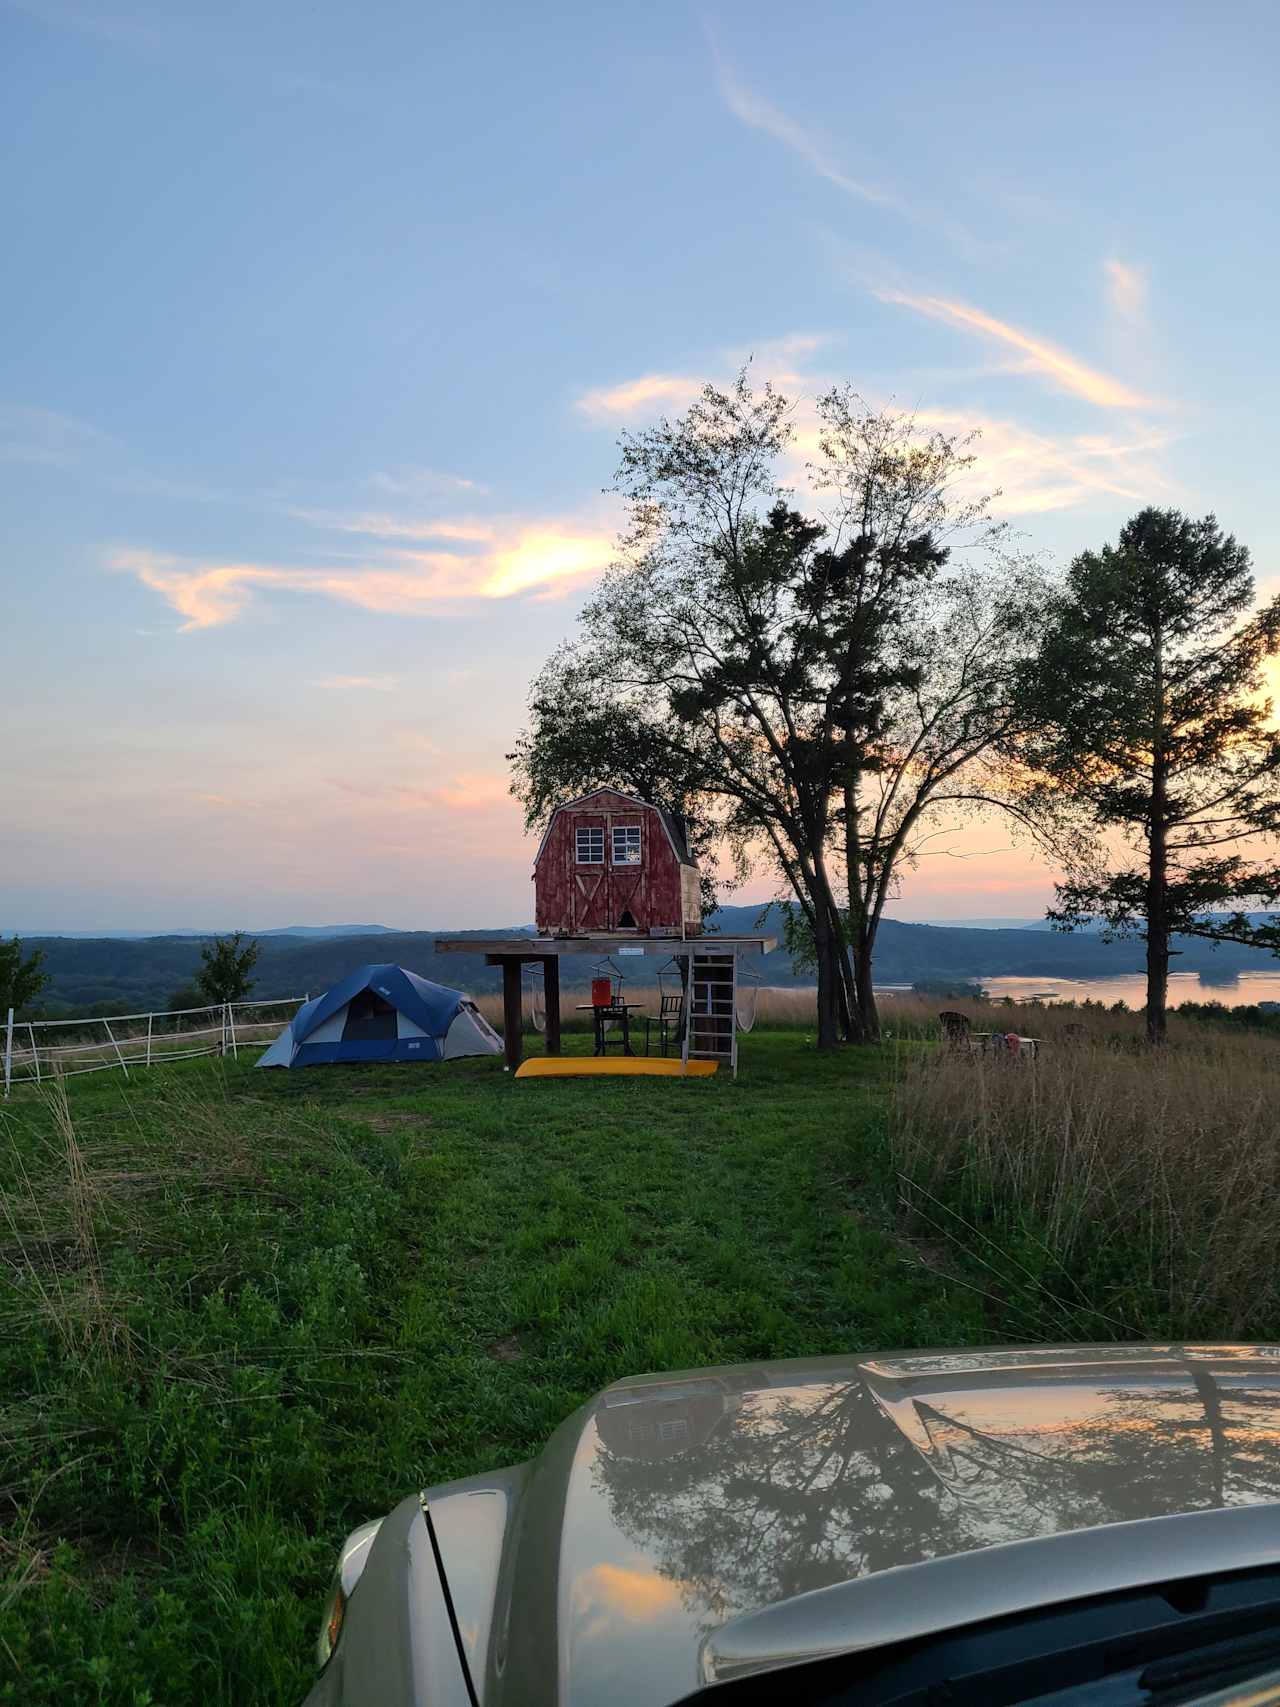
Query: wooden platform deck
[(511, 953)]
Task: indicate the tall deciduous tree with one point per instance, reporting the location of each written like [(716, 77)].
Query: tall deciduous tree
[(1156, 726), (774, 669)]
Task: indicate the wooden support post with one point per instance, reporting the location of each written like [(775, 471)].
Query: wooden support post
[(511, 1006), (551, 991)]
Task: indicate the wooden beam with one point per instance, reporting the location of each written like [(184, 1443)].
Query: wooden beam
[(511, 1018), (498, 949), (551, 989)]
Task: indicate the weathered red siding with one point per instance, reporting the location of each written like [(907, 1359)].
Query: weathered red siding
[(571, 897)]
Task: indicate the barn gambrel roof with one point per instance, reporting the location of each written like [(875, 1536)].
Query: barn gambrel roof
[(670, 823)]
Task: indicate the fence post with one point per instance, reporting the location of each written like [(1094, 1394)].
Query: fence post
[(119, 1057), (35, 1053), (231, 1021), (8, 1054), (151, 1019)]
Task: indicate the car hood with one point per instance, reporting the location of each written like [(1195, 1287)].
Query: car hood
[(671, 1508)]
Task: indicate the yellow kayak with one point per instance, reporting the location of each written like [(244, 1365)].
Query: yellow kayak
[(609, 1066)]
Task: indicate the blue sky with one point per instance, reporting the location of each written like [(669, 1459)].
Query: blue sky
[(320, 322)]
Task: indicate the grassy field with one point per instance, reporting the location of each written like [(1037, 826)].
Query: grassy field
[(1108, 1193), (243, 1312)]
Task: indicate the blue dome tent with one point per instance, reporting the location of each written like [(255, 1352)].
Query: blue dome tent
[(383, 1013)]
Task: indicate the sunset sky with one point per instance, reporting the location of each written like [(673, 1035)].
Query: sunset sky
[(318, 324)]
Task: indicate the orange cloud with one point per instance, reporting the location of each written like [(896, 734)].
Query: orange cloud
[(639, 1595), (546, 559), (475, 792), (634, 396), (1038, 356), (774, 359)]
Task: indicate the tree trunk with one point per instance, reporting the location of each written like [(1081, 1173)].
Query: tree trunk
[(848, 1018), (868, 1013), (828, 976), (1157, 935), (1158, 867)]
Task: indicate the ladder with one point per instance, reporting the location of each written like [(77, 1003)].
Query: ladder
[(711, 1030)]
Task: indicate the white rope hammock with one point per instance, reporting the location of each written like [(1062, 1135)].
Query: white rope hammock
[(537, 999), (748, 998)]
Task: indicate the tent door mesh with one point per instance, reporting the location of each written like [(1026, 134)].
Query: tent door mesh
[(368, 1016)]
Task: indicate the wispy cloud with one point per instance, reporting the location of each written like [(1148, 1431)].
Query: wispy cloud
[(375, 684), (1038, 472), (475, 792), (470, 792), (538, 559), (384, 525), (760, 114), (43, 436), (421, 482), (632, 396), (1126, 289), (778, 359), (1037, 355)]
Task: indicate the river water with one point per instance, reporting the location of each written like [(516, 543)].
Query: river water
[(1131, 988)]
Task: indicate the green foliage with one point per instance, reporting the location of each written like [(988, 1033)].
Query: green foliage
[(1154, 726), (188, 997), (226, 964), (810, 690), (280, 1303), (21, 976)]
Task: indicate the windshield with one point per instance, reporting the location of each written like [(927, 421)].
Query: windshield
[(1179, 1642)]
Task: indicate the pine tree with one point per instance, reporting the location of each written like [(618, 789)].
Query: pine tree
[(1149, 688)]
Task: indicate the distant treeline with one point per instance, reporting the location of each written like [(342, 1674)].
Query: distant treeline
[(109, 975)]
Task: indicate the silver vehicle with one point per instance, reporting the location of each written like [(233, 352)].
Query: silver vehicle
[(1090, 1524)]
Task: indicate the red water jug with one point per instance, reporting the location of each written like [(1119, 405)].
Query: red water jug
[(601, 992)]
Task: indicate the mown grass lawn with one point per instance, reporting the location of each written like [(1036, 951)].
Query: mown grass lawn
[(243, 1312)]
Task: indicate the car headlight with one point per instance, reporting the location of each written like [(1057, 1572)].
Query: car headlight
[(355, 1551), (335, 1611)]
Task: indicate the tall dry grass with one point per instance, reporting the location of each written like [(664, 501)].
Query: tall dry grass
[(1103, 1189)]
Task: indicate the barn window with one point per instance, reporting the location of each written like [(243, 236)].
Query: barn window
[(591, 846), (626, 844)]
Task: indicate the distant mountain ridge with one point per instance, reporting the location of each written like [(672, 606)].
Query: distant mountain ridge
[(201, 936), (135, 974)]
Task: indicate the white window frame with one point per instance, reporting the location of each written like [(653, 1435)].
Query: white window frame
[(632, 839), (592, 834)]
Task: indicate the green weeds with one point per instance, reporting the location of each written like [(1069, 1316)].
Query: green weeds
[(243, 1312)]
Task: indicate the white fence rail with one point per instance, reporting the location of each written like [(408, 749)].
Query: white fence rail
[(35, 1049)]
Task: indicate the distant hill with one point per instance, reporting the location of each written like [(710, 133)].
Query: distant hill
[(136, 974), (200, 936)]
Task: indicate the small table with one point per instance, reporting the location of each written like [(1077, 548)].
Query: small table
[(613, 1010), (981, 1042)]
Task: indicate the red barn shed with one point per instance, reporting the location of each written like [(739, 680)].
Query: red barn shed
[(610, 863)]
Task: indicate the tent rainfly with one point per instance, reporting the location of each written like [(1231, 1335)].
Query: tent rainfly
[(383, 1013)]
